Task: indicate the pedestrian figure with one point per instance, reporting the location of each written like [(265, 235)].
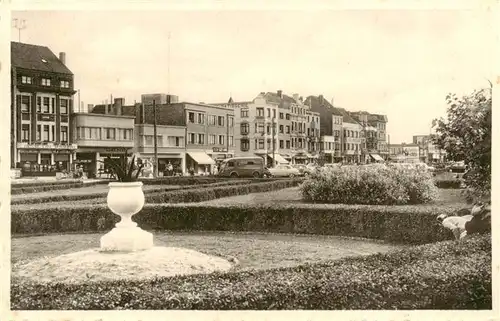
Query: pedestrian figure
[(170, 169)]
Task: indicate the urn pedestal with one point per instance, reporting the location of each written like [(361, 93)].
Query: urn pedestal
[(126, 200)]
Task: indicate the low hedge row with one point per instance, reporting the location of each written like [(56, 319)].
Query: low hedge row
[(78, 197), (45, 188), (191, 180), (446, 275), (448, 183), (409, 224)]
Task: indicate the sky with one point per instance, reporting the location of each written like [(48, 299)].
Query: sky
[(400, 63)]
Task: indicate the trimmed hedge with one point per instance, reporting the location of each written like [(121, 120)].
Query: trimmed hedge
[(447, 275), (78, 197), (44, 188), (192, 180), (409, 224), (456, 184)]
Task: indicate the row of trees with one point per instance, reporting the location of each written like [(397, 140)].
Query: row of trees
[(465, 134)]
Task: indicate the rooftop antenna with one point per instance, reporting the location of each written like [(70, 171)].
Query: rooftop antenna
[(168, 64), (19, 25)]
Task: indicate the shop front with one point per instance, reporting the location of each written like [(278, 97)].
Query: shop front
[(199, 163), (94, 162), (46, 159)]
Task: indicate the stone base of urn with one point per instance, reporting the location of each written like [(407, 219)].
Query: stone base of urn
[(126, 239)]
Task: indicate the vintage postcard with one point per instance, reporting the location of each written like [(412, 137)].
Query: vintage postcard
[(216, 160)]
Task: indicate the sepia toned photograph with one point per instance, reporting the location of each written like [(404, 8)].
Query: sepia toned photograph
[(254, 160)]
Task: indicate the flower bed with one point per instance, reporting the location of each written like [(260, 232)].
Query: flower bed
[(378, 185), (86, 196), (409, 224), (446, 275)]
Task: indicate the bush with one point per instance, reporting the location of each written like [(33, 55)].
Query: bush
[(44, 188), (449, 183), (407, 224), (377, 185), (447, 275), (85, 196)]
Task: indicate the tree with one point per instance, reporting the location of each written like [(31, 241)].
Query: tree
[(466, 136)]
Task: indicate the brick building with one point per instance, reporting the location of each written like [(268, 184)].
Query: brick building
[(41, 103)]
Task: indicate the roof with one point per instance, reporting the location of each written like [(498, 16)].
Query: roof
[(36, 57), (283, 102)]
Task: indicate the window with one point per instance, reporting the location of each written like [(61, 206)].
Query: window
[(260, 128), (212, 120), (25, 137), (38, 104), (288, 129), (191, 138), (110, 133), (269, 112), (25, 104), (128, 134), (26, 80), (191, 117), (231, 121), (148, 140), (274, 113), (64, 84), (38, 133), (260, 112), (64, 134), (212, 139), (53, 105), (201, 139), (220, 120), (201, 118), (46, 105), (281, 129), (245, 145), (261, 144), (282, 143), (244, 113), (221, 139), (245, 128), (287, 144), (46, 82), (287, 116), (64, 106), (159, 141), (45, 133), (231, 141), (95, 133), (268, 129)]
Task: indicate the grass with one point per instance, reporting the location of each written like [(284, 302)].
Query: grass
[(253, 250), (292, 195)]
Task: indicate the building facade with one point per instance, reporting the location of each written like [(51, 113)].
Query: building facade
[(41, 103), (404, 153), (429, 152), (99, 136), (276, 127), (374, 142), (352, 140)]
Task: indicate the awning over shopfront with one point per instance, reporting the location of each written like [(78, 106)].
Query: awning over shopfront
[(312, 156), (279, 158), (201, 158), (377, 157)]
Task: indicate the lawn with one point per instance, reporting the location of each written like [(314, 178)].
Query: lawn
[(253, 250), (292, 195)]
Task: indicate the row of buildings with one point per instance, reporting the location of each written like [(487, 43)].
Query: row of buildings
[(49, 136), (422, 149)]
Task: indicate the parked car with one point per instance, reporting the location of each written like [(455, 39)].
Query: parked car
[(243, 167), (284, 171), (304, 169), (458, 167)]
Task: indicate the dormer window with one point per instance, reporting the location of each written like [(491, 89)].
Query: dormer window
[(26, 80), (46, 82), (64, 84)]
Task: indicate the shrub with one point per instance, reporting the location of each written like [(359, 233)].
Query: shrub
[(44, 188), (86, 196), (407, 224), (447, 275), (376, 184), (449, 183)]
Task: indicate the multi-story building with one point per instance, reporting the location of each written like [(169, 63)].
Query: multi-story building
[(102, 135), (429, 152), (374, 134), (352, 139), (208, 132), (41, 103), (159, 99), (404, 153), (276, 126)]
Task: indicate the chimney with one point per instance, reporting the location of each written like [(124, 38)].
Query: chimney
[(62, 57), (321, 99), (119, 102), (90, 107), (262, 93), (280, 93), (301, 98), (296, 97)]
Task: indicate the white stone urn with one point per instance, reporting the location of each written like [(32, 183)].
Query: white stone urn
[(126, 200)]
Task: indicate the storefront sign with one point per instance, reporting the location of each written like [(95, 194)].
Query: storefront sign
[(46, 146), (83, 161), (219, 150)]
